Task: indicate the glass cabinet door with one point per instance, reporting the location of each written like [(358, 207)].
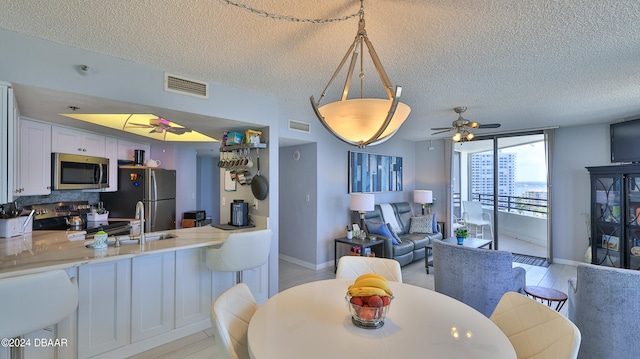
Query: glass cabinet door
[(632, 247), (607, 223)]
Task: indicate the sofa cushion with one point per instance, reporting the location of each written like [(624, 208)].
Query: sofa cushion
[(396, 239), (389, 215), (404, 213), (422, 224), (434, 223), (419, 240), (380, 229), (403, 248)]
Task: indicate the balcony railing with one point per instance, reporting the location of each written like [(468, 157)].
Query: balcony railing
[(536, 207)]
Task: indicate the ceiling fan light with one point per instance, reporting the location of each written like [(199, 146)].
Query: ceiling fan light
[(470, 136), (457, 137), (473, 124)]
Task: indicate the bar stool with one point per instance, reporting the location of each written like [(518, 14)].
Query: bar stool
[(34, 301), (245, 250)]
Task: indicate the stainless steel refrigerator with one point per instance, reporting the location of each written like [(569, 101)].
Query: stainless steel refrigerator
[(156, 188)]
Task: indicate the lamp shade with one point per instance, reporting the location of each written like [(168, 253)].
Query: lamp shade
[(422, 196), (358, 120), (362, 202)]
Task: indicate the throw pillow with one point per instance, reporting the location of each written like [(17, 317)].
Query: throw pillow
[(434, 223), (421, 224), (381, 229), (395, 239)]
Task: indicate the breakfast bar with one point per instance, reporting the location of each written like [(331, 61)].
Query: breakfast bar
[(132, 297)]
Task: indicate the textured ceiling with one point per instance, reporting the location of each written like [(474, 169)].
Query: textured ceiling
[(525, 64)]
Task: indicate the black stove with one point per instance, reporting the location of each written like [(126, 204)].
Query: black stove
[(54, 216)]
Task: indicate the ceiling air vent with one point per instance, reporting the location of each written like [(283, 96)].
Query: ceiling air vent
[(299, 126), (186, 86)]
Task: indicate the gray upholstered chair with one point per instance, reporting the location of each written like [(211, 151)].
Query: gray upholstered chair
[(604, 303), (476, 277)]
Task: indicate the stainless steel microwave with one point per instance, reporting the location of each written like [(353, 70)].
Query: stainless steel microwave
[(79, 172)]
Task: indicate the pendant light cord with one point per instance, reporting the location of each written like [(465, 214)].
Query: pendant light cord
[(266, 14)]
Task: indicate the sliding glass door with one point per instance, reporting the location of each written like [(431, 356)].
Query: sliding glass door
[(505, 176)]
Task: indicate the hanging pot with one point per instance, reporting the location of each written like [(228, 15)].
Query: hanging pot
[(259, 185)]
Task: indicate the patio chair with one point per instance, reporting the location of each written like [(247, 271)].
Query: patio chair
[(475, 216), (535, 330)]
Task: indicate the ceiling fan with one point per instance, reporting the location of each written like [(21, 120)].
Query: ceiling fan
[(160, 125), (463, 127)]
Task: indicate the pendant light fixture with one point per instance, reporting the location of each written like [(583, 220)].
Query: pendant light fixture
[(362, 121)]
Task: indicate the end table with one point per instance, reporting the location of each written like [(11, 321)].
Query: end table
[(364, 243)]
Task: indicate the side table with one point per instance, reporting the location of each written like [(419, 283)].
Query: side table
[(548, 294), (364, 243)]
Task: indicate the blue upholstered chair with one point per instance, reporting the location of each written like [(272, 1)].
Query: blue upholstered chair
[(476, 277), (604, 303)]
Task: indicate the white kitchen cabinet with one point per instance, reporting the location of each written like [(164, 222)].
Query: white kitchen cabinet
[(69, 140), (111, 152), (193, 287), (104, 310), (33, 166), (152, 295), (126, 149), (8, 133)]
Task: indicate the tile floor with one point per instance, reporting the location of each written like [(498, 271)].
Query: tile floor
[(202, 345)]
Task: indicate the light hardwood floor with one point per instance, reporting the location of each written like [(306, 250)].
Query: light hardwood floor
[(202, 345)]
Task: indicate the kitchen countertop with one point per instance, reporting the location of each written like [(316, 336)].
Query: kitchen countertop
[(40, 251)]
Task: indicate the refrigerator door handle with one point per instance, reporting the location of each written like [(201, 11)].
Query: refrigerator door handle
[(154, 217), (154, 186)]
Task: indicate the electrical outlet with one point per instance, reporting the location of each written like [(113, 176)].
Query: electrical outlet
[(255, 204), (223, 202)]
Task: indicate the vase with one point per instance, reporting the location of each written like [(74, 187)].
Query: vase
[(460, 240)]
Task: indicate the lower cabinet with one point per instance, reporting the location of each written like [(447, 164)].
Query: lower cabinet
[(152, 295), (193, 287), (104, 308)]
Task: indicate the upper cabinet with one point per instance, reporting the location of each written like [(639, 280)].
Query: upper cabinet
[(33, 166), (126, 149), (68, 140)]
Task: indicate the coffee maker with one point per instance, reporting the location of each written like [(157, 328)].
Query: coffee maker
[(239, 213)]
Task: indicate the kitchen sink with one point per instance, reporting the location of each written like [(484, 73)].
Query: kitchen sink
[(134, 239)]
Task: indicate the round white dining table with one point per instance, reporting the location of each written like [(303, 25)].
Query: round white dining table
[(312, 320)]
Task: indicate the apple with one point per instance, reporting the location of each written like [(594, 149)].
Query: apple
[(357, 301), (367, 313), (375, 301)]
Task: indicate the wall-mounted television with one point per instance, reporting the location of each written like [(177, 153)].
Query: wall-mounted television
[(625, 141)]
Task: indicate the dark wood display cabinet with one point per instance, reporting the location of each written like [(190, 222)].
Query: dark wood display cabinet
[(615, 215)]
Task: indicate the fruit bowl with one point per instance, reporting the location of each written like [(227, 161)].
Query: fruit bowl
[(365, 316)]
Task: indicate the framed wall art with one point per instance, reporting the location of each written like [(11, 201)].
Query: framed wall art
[(370, 172)]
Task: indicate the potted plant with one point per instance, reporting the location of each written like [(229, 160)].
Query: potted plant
[(461, 234)]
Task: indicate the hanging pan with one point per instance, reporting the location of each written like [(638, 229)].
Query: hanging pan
[(259, 185)]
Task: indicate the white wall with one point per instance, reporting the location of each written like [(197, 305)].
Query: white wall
[(575, 149)]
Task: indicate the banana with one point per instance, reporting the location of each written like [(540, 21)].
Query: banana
[(366, 292), (373, 282), (370, 275)]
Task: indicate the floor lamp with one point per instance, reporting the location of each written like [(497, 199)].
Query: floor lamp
[(362, 202), (423, 196)]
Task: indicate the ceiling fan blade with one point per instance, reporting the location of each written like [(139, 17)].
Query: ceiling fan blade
[(490, 125), (436, 133), (156, 129), (178, 130), (139, 125), (442, 128)]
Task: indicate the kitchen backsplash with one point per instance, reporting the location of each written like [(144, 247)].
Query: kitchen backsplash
[(60, 196)]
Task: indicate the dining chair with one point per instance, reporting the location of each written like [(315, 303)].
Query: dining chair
[(474, 215), (604, 303), (241, 251), (477, 277), (34, 301), (230, 316), (534, 329), (351, 267)]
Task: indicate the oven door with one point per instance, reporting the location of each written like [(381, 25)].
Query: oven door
[(79, 172)]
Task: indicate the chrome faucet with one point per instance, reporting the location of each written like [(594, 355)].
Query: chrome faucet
[(140, 216)]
